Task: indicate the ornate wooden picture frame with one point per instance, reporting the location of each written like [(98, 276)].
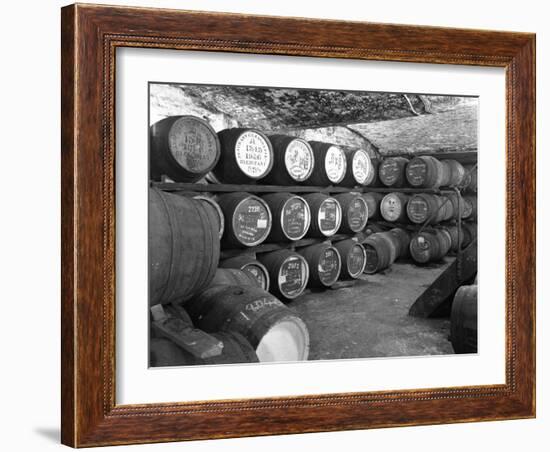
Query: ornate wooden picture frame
[(90, 37)]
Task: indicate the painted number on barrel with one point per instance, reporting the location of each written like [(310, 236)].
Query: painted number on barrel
[(253, 154), (292, 276), (193, 145), (251, 221)]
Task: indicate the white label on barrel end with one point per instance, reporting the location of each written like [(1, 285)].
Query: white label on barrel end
[(252, 154), (299, 160), (282, 279), (262, 224), (322, 215), (361, 166), (335, 164)]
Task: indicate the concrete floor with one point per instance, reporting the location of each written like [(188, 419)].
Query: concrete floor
[(371, 318)]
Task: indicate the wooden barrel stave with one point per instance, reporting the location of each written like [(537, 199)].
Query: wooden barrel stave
[(249, 264), (184, 247), (373, 200), (381, 251)]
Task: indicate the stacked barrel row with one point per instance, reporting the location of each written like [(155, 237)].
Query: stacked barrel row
[(187, 149)]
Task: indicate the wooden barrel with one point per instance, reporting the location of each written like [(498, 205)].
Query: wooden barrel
[(373, 228), (234, 277), (430, 246), (464, 320), (291, 217), (184, 248), (326, 215), (469, 182), (248, 219), (471, 230), (457, 172), (217, 208), (236, 349), (330, 164), (353, 256), (374, 180), (355, 212), (246, 156), (359, 169), (184, 148), (288, 273), (293, 161), (403, 239), (373, 201), (393, 207), (392, 171), (465, 236), (470, 207), (458, 205), (249, 264), (424, 207), (273, 330), (426, 172), (324, 264), (381, 250)]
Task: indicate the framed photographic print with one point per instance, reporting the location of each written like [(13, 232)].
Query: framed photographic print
[(280, 225)]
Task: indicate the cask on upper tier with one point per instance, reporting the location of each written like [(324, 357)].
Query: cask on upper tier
[(392, 171), (293, 161), (246, 156), (184, 148), (330, 164), (359, 168)]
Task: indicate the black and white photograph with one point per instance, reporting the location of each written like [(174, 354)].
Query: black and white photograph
[(291, 224)]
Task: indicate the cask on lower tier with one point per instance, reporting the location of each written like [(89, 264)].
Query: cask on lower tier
[(288, 273), (403, 242), (430, 246), (218, 210), (330, 164), (236, 349), (184, 148), (381, 249), (393, 207), (274, 331), (326, 215), (248, 263), (248, 219), (424, 207), (324, 264), (392, 171), (353, 256), (291, 217), (293, 161), (464, 320), (456, 172), (373, 201), (246, 156), (184, 246), (359, 168), (355, 212)]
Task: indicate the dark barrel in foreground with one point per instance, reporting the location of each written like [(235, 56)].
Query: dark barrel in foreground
[(236, 349), (464, 320), (288, 273), (184, 148), (274, 331), (246, 156), (184, 246)]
